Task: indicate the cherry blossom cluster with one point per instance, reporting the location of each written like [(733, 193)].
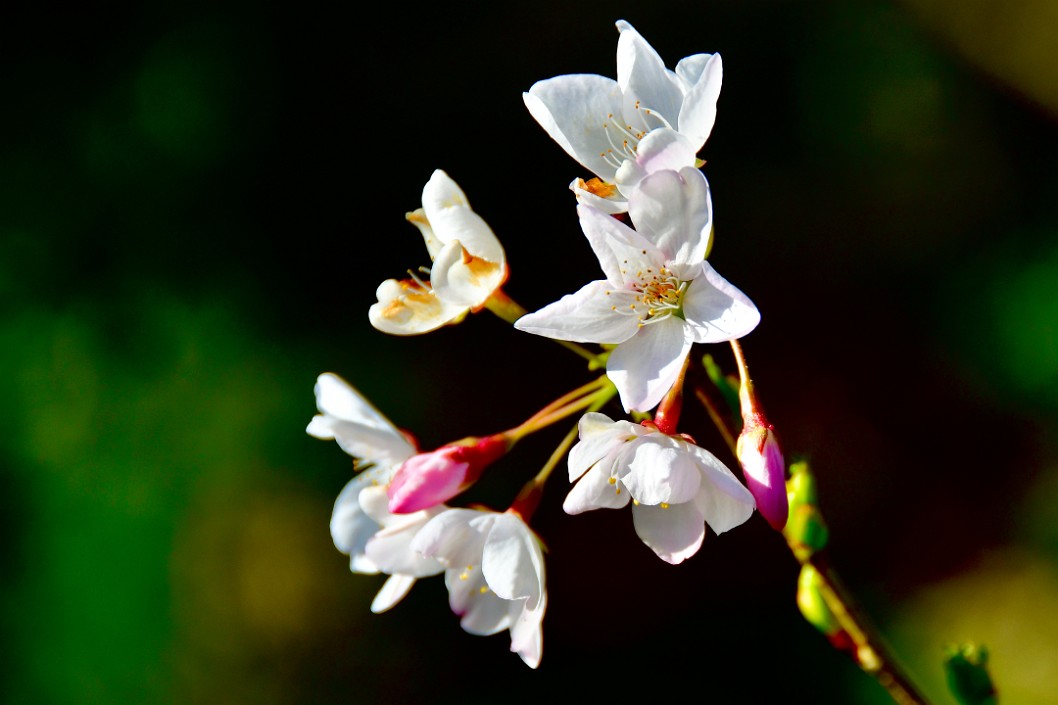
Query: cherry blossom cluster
[(647, 212)]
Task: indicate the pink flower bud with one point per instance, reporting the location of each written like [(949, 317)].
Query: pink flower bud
[(428, 479), (764, 470)]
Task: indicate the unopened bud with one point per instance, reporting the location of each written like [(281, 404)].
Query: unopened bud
[(806, 531), (813, 604), (428, 479), (764, 470)]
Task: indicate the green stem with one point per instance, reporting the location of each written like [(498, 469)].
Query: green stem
[(867, 649), (529, 496)]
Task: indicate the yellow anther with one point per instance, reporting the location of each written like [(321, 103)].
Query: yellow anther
[(613, 480), (483, 589), (664, 505)]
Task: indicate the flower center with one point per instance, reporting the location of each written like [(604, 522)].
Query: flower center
[(624, 136), (659, 294)]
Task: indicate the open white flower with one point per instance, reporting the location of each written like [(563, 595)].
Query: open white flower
[(676, 487), (659, 296), (361, 525), (606, 125), (468, 265), (495, 574)]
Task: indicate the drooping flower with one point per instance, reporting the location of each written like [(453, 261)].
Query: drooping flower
[(608, 126), (659, 296), (495, 574), (676, 486), (362, 527), (468, 265)]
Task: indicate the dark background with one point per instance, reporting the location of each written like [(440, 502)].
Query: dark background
[(198, 201)]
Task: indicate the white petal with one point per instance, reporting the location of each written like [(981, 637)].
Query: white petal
[(336, 397), (661, 471), (390, 548), (527, 637), (719, 475), (715, 310), (463, 280), (573, 110), (512, 562), (404, 308), (644, 367), (674, 534), (587, 316), (722, 511), (611, 205), (455, 537), (418, 219), (704, 73), (599, 435), (675, 212), (482, 612), (622, 252), (351, 527), (360, 429), (452, 218), (392, 592), (595, 491), (642, 76), (661, 149)]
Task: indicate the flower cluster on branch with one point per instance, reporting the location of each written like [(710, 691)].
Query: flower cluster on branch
[(647, 213)]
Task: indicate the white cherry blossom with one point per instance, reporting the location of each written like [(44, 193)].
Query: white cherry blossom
[(675, 486), (659, 295), (468, 265), (609, 126), (362, 527), (495, 574)]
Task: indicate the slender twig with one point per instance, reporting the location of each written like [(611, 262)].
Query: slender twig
[(867, 649)]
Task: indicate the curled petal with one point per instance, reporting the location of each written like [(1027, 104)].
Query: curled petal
[(451, 217), (462, 279), (406, 308), (600, 195)]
